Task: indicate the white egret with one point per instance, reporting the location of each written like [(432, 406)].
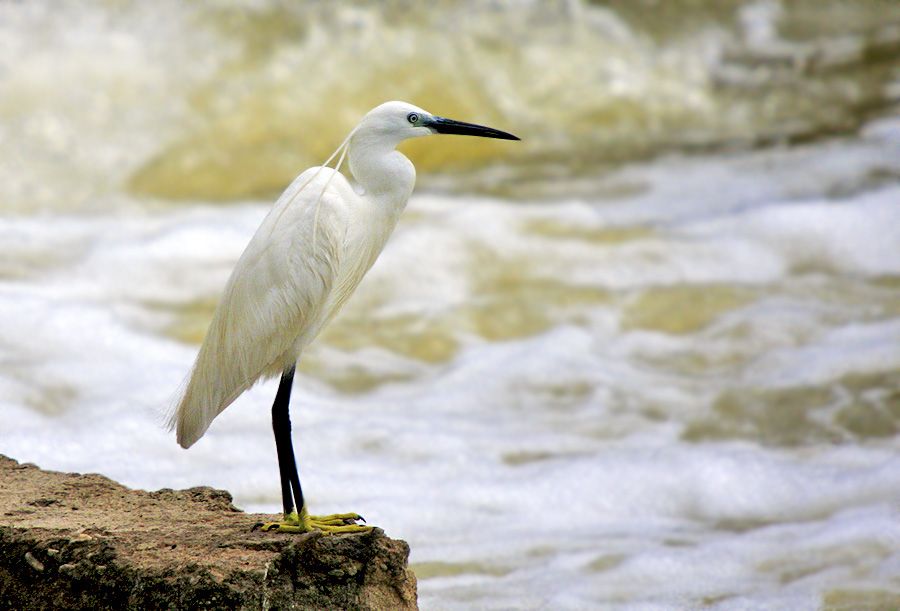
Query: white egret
[(304, 261)]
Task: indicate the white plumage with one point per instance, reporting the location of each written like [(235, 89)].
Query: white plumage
[(302, 264), (307, 257)]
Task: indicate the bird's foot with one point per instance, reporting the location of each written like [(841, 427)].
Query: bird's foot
[(331, 524)]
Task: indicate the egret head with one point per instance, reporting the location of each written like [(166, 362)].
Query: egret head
[(397, 121)]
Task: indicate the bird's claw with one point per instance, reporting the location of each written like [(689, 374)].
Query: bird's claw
[(337, 523)]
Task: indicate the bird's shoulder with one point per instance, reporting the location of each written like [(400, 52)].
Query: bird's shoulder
[(318, 198), (302, 232), (316, 182)]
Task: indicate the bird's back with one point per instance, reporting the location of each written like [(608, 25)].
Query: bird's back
[(301, 265)]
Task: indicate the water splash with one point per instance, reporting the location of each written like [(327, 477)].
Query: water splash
[(213, 102)]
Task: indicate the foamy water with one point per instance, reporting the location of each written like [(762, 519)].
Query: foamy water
[(671, 383)]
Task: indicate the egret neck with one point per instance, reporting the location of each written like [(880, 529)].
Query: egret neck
[(386, 175)]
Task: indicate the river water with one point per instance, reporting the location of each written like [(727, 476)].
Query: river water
[(648, 358)]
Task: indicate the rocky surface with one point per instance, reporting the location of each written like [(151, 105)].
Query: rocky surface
[(71, 541)]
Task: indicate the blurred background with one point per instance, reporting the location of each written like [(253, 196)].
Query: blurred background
[(647, 358)]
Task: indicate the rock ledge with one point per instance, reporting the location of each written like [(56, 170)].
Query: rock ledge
[(71, 541)]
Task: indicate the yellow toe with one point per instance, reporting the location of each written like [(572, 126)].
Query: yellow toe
[(337, 523)]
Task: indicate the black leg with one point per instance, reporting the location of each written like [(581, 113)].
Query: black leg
[(287, 465)]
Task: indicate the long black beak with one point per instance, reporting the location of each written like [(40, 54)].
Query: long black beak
[(449, 126)]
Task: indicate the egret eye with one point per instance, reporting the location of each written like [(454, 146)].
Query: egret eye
[(413, 118)]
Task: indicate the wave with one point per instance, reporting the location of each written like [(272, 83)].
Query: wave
[(213, 102)]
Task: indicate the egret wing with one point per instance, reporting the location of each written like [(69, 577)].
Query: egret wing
[(272, 300)]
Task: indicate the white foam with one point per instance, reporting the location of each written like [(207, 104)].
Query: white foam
[(856, 236), (551, 466)]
